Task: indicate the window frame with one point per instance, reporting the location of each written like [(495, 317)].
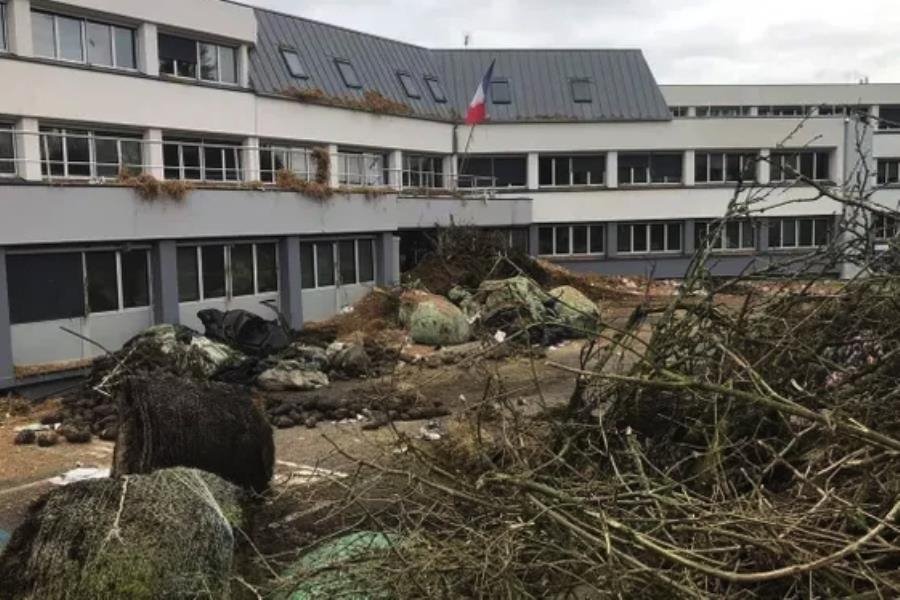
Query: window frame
[(345, 176), (649, 170), (202, 146), (336, 266), (4, 30), (428, 178), (228, 246), (493, 176), (199, 63), (648, 237), (779, 175), (587, 98), (720, 244), (348, 73), (743, 158), (85, 53), (888, 172), (9, 129), (408, 85), (570, 158), (829, 231), (590, 227), (504, 83), (91, 137), (884, 228), (437, 90), (285, 52), (288, 154)]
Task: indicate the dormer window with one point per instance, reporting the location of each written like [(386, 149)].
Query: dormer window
[(581, 91), (437, 92), (409, 84), (500, 92), (348, 73), (292, 60)]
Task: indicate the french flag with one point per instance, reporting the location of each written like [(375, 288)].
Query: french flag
[(478, 108)]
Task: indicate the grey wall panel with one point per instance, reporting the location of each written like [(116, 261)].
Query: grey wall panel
[(425, 213)]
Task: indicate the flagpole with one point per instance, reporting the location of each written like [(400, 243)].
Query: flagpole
[(465, 154)]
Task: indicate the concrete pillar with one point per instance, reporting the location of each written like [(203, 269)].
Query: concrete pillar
[(395, 169), (148, 49), (450, 173), (763, 168), (250, 159), (28, 149), (165, 282), (152, 153), (18, 27), (243, 66), (387, 251), (612, 170), (687, 243), (534, 240), (875, 114), (290, 284), (333, 157), (687, 169), (612, 239), (532, 171), (7, 370)]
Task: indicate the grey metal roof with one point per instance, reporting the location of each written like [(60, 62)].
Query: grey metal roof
[(623, 86)]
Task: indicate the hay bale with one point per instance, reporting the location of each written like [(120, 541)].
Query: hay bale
[(165, 535), (167, 421)]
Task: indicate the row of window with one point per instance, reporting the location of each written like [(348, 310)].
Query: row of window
[(83, 41), (78, 153), (792, 110), (343, 262), (82, 283), (213, 271), (200, 160), (183, 57), (571, 240)]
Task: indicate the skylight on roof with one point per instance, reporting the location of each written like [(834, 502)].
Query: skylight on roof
[(500, 92), (292, 60), (437, 92), (409, 84), (348, 73), (581, 90)]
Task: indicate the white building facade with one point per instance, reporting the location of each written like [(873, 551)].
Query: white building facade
[(585, 161)]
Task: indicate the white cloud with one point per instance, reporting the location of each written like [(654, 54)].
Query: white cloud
[(685, 41)]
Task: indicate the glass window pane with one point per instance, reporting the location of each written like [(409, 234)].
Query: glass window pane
[(700, 163), (733, 235), (190, 155), (545, 240), (213, 271), (42, 35), (409, 85), (775, 233), (806, 165), (124, 48), (209, 62), (747, 237), (79, 153), (657, 237), (716, 168), (579, 239), (789, 232), (99, 44), (562, 240), (823, 232), (227, 65), (307, 267), (639, 232), (69, 34), (171, 160), (31, 275), (562, 170), (214, 165), (292, 60), (674, 239), (242, 270), (806, 232), (106, 153), (597, 235), (266, 268), (623, 238), (348, 74), (500, 92), (588, 170), (135, 279), (102, 282), (175, 50), (822, 170), (437, 92), (366, 261), (347, 261), (7, 152), (325, 264), (733, 167), (131, 158), (545, 170), (188, 288), (232, 164), (510, 171), (2, 26)]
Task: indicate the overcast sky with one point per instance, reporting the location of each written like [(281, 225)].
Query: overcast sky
[(685, 41)]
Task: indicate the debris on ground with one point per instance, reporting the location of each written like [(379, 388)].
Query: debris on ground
[(245, 331), (168, 421), (171, 534), (79, 474), (433, 319)]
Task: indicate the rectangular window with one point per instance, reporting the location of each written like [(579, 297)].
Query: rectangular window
[(366, 258), (802, 232), (135, 278), (643, 238), (359, 168), (884, 227), (679, 112), (806, 164), (102, 281), (242, 279), (889, 117), (213, 261), (43, 34), (177, 56), (293, 159), (581, 91), (7, 151), (500, 91), (188, 274), (307, 266), (294, 65), (493, 171), (348, 73), (183, 57), (202, 160), (325, 276), (266, 268), (30, 278), (123, 47), (570, 240), (642, 168), (568, 171), (725, 167), (88, 154), (888, 171), (421, 171), (347, 261), (3, 44), (81, 40), (437, 91), (69, 39), (409, 85), (735, 235), (100, 44)]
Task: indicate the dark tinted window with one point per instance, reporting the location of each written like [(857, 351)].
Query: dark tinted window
[(581, 90), (366, 261), (124, 41), (437, 92), (135, 279), (188, 287), (510, 171), (242, 270), (2, 26), (307, 266), (347, 261), (30, 276), (292, 60), (545, 240), (348, 73), (266, 268), (213, 271), (325, 264), (177, 50), (7, 151), (500, 92), (409, 85), (103, 289)]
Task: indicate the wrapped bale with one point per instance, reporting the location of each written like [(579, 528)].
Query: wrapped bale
[(166, 535), (167, 421)]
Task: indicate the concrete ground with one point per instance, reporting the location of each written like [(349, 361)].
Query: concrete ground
[(25, 470)]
